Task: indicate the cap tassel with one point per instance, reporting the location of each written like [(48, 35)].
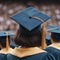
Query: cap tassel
[(7, 42), (37, 18), (43, 42)]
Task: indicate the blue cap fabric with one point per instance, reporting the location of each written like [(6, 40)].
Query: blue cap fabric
[(3, 33), (30, 19), (54, 29)]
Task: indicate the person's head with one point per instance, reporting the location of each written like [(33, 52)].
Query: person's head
[(28, 40), (29, 20), (55, 37), (5, 38), (55, 33)]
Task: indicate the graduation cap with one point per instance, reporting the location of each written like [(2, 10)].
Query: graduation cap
[(4, 37), (3, 33), (55, 31), (30, 20)]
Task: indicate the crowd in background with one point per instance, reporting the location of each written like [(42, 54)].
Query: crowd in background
[(7, 9)]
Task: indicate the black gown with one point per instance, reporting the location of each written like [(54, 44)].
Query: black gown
[(55, 52), (37, 56)]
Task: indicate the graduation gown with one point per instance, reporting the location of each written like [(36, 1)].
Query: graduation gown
[(54, 50), (3, 53), (29, 54)]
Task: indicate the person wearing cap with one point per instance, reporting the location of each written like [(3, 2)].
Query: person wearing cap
[(54, 48), (29, 36), (4, 44)]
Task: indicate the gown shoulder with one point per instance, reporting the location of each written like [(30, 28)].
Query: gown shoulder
[(55, 52), (40, 56)]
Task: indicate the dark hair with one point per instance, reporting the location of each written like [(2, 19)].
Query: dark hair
[(28, 40), (55, 37), (3, 41)]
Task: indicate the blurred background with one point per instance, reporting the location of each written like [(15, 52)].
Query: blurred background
[(10, 7)]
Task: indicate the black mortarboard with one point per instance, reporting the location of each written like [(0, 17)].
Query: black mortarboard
[(30, 20), (55, 31)]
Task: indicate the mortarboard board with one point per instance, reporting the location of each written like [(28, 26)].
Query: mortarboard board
[(55, 31), (30, 20), (3, 33)]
